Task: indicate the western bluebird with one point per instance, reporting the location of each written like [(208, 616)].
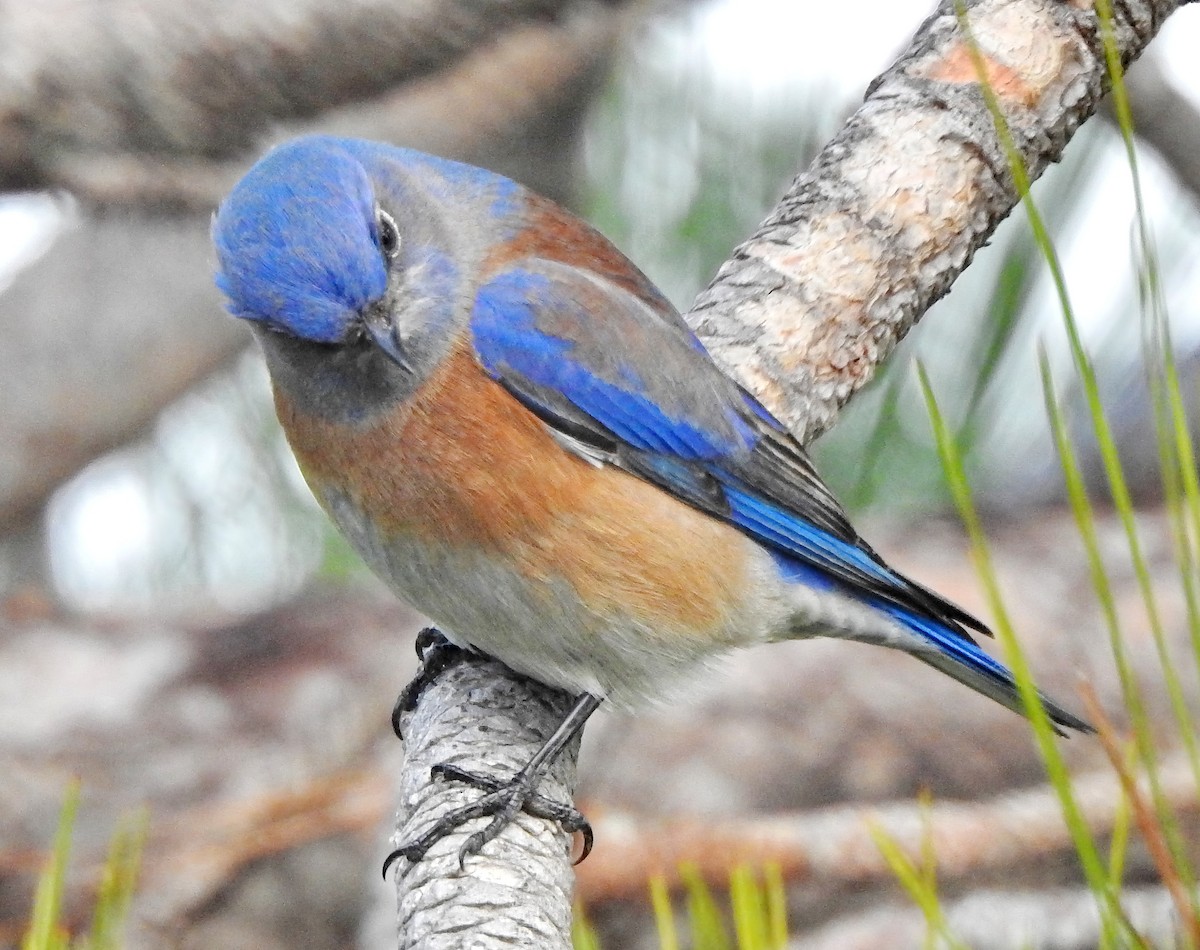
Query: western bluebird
[(525, 441)]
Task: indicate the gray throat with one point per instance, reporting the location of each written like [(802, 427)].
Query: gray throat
[(342, 382)]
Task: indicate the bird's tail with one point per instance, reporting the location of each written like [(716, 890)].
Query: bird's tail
[(962, 659)]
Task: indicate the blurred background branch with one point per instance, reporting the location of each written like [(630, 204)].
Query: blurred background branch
[(201, 81)]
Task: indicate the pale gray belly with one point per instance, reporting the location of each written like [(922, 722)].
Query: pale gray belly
[(543, 629)]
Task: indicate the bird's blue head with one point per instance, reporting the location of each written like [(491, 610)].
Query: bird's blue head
[(302, 245)]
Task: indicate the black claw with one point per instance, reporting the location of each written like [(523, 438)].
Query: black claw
[(474, 844), (393, 858), (414, 851), (588, 840), (437, 654)]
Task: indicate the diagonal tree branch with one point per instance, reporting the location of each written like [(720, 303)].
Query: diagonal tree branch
[(893, 208), (890, 213)]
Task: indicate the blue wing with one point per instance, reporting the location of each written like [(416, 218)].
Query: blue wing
[(623, 380), (619, 378)]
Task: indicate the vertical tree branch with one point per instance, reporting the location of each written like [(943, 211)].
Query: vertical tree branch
[(517, 891)]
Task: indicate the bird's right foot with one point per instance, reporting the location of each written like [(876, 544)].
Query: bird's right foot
[(502, 801)]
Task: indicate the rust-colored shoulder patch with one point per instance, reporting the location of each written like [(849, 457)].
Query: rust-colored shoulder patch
[(552, 233)]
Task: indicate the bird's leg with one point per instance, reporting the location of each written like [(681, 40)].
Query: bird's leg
[(437, 654), (504, 799)]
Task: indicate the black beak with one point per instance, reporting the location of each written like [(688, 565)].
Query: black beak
[(379, 328)]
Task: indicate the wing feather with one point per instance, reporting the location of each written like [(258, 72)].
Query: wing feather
[(627, 382)]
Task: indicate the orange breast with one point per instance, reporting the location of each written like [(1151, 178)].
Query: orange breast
[(465, 465)]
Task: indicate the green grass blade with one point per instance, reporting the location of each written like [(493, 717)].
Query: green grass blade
[(1185, 514), (776, 896), (1122, 499), (1176, 452), (117, 884), (1131, 692), (1043, 731), (45, 932), (1148, 823), (1118, 848), (1104, 437), (749, 910), (1085, 521), (921, 886), (664, 913), (1123, 505), (583, 935), (708, 930)]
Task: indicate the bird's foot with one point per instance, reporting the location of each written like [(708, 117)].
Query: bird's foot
[(437, 654), (503, 800)]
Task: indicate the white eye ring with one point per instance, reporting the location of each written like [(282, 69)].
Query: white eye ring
[(389, 234)]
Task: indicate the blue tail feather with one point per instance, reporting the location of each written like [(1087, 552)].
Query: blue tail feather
[(953, 653), (966, 662)]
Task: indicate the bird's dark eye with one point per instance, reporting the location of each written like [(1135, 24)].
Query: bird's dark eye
[(389, 237)]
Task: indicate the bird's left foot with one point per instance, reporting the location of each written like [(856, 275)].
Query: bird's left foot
[(503, 801), (437, 654)]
